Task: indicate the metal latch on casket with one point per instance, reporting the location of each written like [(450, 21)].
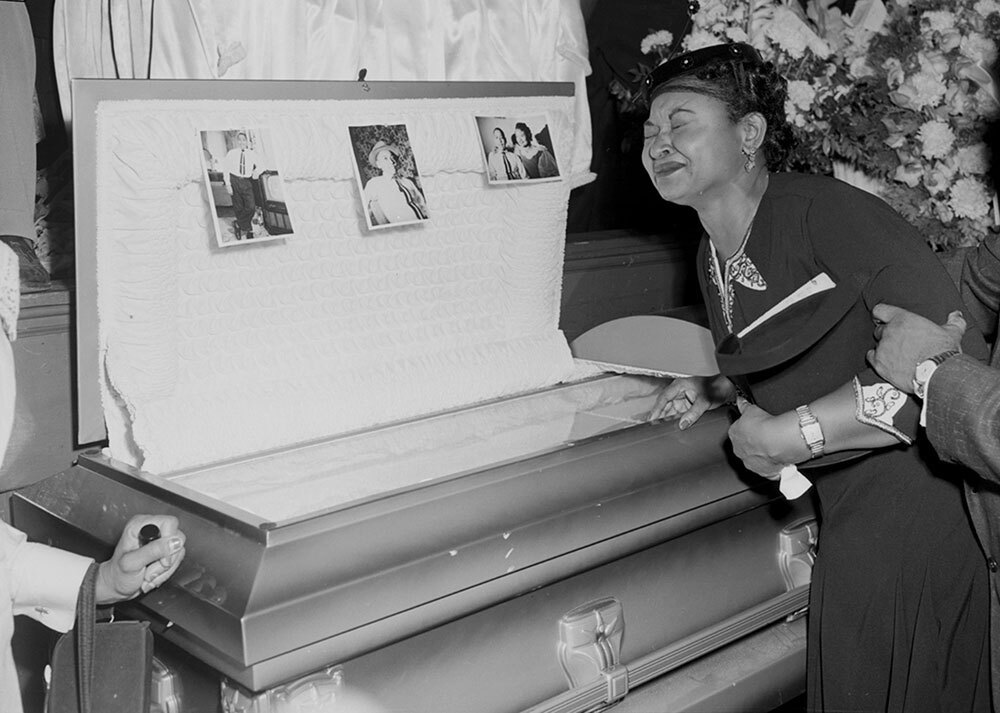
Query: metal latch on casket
[(590, 644), (796, 555)]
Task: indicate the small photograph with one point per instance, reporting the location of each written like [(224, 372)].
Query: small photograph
[(243, 183), (517, 148), (387, 175)]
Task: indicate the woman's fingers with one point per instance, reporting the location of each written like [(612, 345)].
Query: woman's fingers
[(674, 401), (694, 412)]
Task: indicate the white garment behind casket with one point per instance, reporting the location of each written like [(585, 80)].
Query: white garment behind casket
[(432, 40)]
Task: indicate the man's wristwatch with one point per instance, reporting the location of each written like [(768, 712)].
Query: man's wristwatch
[(924, 369), (811, 431)]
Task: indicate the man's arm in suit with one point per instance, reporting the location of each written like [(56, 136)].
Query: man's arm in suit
[(980, 285), (963, 414)]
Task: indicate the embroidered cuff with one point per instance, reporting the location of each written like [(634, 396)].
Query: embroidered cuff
[(877, 405)]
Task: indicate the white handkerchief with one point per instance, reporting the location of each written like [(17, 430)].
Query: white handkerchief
[(792, 484), (820, 283)]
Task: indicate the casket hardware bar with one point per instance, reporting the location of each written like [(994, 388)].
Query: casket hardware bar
[(321, 690), (597, 694), (797, 551), (590, 644)]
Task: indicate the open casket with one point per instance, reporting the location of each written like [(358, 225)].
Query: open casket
[(400, 490)]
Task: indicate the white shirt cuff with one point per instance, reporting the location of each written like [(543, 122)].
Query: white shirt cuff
[(927, 397), (46, 584)]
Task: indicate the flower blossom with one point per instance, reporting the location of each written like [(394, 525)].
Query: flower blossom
[(893, 71), (937, 181), (794, 117), (710, 12), (656, 40), (978, 48), (801, 93), (937, 137), (973, 159), (698, 38), (933, 62), (924, 89), (948, 40), (984, 8), (908, 172), (943, 211), (860, 67), (736, 34), (959, 102), (939, 20), (969, 199), (793, 36)]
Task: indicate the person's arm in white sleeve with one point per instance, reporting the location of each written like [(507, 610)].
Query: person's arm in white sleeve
[(45, 581)]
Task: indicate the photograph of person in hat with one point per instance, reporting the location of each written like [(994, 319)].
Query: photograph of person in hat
[(388, 176)]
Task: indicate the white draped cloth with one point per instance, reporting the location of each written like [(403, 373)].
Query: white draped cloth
[(400, 40)]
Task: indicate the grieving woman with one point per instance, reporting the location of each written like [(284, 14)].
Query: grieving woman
[(898, 614)]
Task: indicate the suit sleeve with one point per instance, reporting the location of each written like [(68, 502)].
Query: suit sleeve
[(981, 285), (854, 232), (963, 415)]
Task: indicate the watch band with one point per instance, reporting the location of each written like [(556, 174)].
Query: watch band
[(920, 385), (812, 432)]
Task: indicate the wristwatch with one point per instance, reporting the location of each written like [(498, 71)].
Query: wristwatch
[(922, 373), (811, 431)]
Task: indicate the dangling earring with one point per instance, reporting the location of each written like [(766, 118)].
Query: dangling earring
[(751, 159)]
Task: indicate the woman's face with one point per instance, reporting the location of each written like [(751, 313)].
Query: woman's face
[(520, 138), (499, 141), (690, 147)]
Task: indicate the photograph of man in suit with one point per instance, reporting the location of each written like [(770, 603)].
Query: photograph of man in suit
[(240, 168)]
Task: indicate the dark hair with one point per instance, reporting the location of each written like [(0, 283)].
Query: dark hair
[(527, 132), (502, 134), (744, 83)]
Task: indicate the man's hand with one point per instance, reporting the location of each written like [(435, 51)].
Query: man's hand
[(905, 339)]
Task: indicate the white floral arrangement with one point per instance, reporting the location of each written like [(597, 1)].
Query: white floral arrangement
[(899, 93)]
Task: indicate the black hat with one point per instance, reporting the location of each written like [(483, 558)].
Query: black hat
[(696, 59)]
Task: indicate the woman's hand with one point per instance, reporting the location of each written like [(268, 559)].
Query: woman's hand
[(133, 569), (689, 397), (766, 443)]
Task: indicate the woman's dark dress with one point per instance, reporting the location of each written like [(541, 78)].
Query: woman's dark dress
[(898, 617), (541, 165)]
